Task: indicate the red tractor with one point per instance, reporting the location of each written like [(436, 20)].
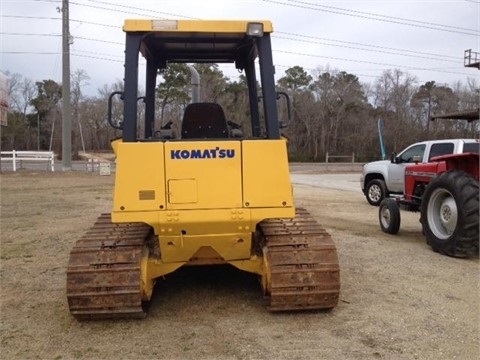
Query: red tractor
[(446, 193)]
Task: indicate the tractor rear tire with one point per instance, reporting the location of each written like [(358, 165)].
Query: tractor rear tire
[(450, 214), (389, 216)]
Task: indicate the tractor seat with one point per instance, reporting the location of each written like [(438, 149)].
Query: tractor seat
[(204, 121)]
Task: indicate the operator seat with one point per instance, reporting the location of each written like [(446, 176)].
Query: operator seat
[(204, 121)]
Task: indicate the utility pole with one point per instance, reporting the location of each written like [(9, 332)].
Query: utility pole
[(67, 114)]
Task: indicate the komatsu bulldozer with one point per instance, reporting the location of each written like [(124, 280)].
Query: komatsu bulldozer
[(206, 197)]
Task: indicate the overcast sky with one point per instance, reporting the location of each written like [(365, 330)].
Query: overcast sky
[(427, 39)]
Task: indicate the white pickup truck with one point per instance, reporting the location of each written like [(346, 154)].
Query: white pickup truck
[(383, 178)]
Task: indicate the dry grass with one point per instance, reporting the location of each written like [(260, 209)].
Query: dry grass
[(399, 300)]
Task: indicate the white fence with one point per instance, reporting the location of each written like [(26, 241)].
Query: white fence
[(17, 157), (348, 157)]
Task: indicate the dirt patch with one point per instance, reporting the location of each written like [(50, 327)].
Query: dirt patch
[(399, 300)]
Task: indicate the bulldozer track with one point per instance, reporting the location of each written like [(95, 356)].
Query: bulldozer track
[(103, 274), (303, 262)]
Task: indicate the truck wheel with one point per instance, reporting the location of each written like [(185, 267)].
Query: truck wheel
[(449, 214), (376, 192), (389, 216)]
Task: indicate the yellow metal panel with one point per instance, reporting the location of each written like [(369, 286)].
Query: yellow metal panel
[(218, 26), (215, 167), (182, 233), (227, 246), (139, 179), (266, 177), (200, 222), (183, 191)]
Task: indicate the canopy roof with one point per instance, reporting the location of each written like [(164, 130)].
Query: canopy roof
[(196, 40)]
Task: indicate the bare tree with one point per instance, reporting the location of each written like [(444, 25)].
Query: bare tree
[(49, 94), (303, 134), (393, 93), (212, 80), (341, 99), (78, 80), (21, 92)]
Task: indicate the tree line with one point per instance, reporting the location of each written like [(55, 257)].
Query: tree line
[(332, 112)]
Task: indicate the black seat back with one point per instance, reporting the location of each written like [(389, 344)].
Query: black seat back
[(204, 121)]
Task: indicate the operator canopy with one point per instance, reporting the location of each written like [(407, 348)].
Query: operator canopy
[(182, 41)]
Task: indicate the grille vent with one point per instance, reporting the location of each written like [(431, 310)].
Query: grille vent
[(146, 195)]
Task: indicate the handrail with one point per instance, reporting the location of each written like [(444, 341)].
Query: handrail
[(109, 111)]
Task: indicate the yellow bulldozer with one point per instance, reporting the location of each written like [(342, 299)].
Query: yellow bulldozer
[(209, 196)]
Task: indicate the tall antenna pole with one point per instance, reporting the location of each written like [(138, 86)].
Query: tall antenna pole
[(67, 114)]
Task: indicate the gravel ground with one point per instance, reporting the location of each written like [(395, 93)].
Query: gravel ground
[(399, 300)]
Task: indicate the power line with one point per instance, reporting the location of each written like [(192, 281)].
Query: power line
[(75, 53), (414, 52), (414, 23), (31, 17), (28, 34), (32, 52), (381, 49), (371, 50), (103, 8), (366, 62), (99, 40), (149, 11), (102, 56), (97, 54), (287, 36), (57, 35), (96, 57), (96, 24), (386, 50), (58, 18), (394, 18), (409, 53)]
